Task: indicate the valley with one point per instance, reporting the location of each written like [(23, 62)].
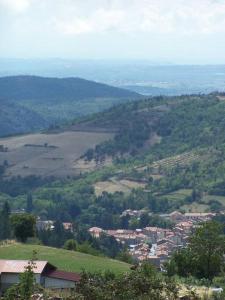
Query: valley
[(112, 150), (131, 183)]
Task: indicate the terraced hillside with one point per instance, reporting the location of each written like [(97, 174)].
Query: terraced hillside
[(172, 161)]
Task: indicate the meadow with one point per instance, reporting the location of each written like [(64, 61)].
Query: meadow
[(70, 261)]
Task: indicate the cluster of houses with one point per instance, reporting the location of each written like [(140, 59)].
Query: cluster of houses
[(154, 243), (49, 225)]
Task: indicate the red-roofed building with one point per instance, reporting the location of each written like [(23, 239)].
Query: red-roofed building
[(45, 274)]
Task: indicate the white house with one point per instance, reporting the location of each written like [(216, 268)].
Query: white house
[(45, 274)]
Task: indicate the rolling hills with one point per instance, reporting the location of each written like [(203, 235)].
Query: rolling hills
[(163, 153), (29, 103), (150, 130), (70, 261)]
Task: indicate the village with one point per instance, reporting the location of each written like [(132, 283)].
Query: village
[(156, 244)]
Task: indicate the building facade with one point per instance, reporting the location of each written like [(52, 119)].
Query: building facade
[(45, 274)]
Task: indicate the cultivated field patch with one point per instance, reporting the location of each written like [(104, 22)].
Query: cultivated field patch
[(195, 207), (113, 185), (179, 194), (48, 154), (208, 198), (170, 162)]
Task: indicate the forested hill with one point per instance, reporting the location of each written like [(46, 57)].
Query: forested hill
[(45, 101), (168, 124), (33, 88), (163, 153), (15, 119)]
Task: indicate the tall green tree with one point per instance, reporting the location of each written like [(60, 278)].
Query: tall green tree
[(204, 256), (143, 283), (5, 228), (208, 248), (23, 226), (29, 207)]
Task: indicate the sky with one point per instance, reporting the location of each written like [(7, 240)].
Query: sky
[(173, 31)]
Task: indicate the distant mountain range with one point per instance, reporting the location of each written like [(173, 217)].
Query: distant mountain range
[(29, 103), (141, 76)]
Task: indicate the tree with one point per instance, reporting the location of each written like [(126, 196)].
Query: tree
[(125, 256), (70, 245), (142, 283), (208, 248), (124, 221), (29, 207), (144, 220), (5, 228), (23, 226), (181, 263), (203, 258), (109, 245), (196, 195)]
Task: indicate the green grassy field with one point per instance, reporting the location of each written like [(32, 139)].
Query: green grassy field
[(65, 260), (179, 194), (207, 198), (195, 207)]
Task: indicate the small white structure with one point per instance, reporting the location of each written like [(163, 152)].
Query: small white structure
[(45, 274)]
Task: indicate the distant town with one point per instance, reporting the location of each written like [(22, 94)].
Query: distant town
[(156, 244)]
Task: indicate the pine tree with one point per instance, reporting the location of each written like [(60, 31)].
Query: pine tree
[(5, 230), (29, 207)]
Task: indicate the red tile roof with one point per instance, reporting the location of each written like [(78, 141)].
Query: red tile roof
[(75, 277)]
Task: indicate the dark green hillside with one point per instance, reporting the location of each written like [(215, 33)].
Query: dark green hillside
[(54, 90), (182, 123), (16, 119), (40, 102)]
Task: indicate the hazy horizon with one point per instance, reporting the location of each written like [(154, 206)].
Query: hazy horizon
[(109, 60)]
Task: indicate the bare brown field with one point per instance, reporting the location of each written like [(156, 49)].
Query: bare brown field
[(49, 154)]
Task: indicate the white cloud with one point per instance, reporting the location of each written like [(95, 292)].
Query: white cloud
[(76, 17), (99, 21), (190, 29), (15, 6), (158, 16)]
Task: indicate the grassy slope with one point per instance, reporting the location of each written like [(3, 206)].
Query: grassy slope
[(63, 259)]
